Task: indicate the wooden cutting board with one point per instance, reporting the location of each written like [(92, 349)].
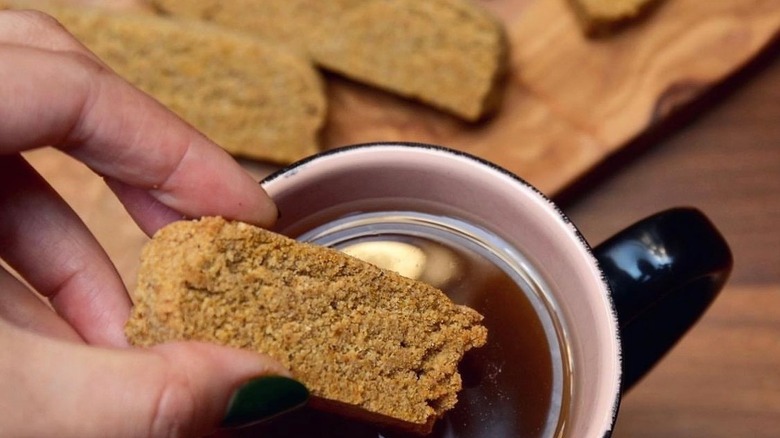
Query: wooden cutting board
[(569, 102)]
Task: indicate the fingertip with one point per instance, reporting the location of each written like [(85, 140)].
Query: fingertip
[(267, 213), (207, 181)]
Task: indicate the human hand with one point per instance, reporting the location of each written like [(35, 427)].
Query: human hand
[(65, 369)]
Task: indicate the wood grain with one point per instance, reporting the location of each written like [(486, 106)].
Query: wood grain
[(723, 379), (570, 101)]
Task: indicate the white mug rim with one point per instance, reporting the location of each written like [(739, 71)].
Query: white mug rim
[(293, 169)]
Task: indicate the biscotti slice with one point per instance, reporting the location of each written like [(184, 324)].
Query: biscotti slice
[(449, 54), (367, 342), (290, 22), (252, 97), (601, 17)]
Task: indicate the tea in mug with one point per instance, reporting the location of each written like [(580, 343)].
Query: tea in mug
[(518, 383)]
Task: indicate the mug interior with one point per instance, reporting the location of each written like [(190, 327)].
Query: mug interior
[(374, 178)]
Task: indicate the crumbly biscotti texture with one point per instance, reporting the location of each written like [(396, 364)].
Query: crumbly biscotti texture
[(450, 54), (351, 332), (254, 98), (601, 17)]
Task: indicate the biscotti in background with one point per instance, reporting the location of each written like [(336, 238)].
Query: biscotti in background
[(368, 343), (449, 54), (254, 98), (600, 18)]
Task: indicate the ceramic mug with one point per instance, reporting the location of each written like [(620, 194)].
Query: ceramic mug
[(571, 327)]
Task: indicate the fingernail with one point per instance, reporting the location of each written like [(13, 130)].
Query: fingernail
[(263, 398)]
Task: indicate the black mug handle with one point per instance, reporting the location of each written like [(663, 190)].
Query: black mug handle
[(664, 272)]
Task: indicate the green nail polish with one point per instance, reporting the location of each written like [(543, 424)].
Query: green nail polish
[(263, 398)]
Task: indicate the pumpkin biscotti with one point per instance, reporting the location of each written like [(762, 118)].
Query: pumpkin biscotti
[(367, 342), (447, 53), (254, 98)]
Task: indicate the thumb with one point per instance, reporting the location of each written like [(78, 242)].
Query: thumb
[(55, 388)]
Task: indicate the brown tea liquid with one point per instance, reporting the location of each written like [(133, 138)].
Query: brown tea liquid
[(517, 385)]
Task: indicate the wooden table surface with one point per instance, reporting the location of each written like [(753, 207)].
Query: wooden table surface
[(723, 379)]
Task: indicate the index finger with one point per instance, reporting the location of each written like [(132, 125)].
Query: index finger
[(69, 101)]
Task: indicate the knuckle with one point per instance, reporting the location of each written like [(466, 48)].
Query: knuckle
[(38, 22), (87, 62), (174, 412), (36, 29)]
